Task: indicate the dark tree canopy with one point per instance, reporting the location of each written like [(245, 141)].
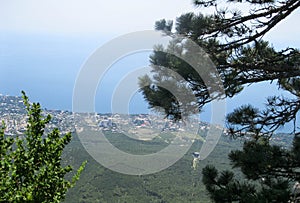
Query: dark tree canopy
[(234, 40)]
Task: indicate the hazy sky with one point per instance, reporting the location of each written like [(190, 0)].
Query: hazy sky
[(78, 17), (98, 17)]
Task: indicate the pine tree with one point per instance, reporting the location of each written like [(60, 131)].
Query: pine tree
[(234, 42)]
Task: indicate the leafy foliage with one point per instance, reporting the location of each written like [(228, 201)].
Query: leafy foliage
[(30, 167)]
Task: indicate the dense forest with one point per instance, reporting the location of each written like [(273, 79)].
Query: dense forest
[(179, 183)]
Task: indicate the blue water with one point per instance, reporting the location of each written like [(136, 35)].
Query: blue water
[(46, 67)]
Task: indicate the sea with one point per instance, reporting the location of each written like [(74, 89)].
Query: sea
[(47, 67)]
